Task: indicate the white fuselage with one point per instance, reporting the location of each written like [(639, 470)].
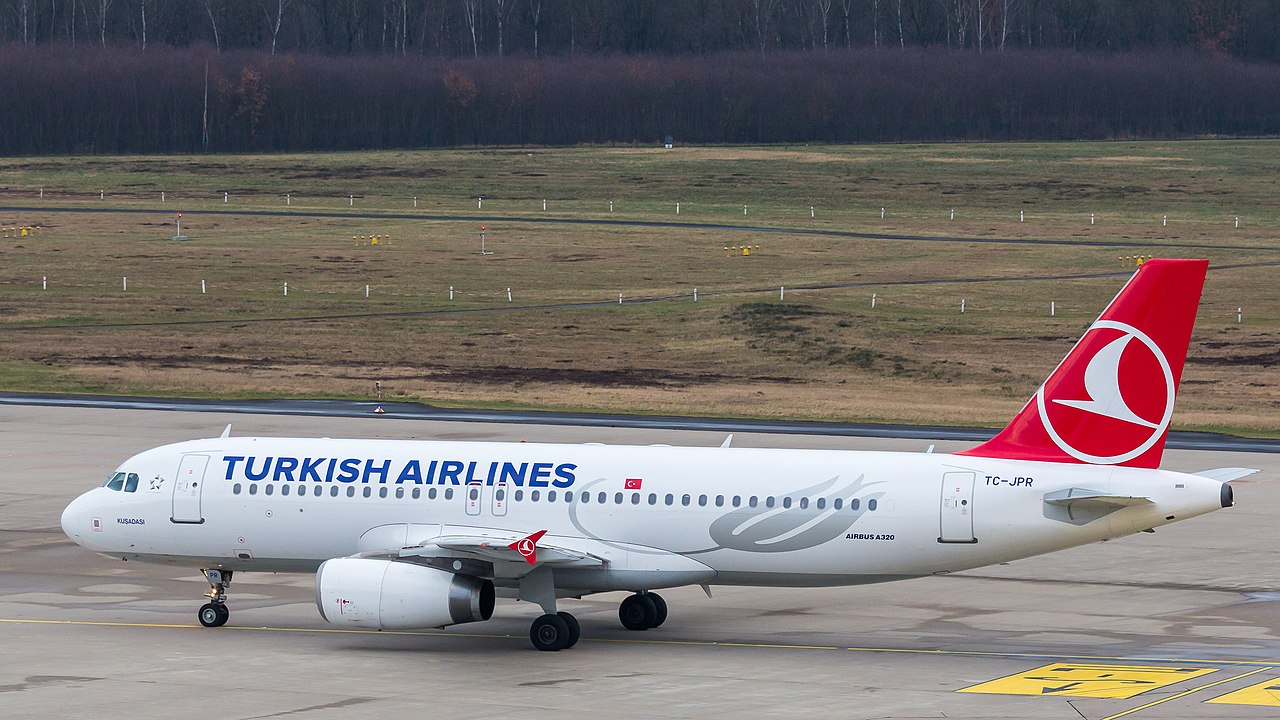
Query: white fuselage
[(659, 516)]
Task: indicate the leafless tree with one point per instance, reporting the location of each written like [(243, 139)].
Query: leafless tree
[(535, 12), (274, 20), (824, 13), (213, 20), (103, 7), (503, 8), (470, 13)]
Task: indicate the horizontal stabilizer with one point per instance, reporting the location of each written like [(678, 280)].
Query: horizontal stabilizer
[(1226, 474), (1075, 496)]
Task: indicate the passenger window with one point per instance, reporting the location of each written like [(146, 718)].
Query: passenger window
[(534, 495), (786, 502), (351, 491), (586, 497), (568, 497), (382, 492), (115, 482), (854, 504), (417, 493), (653, 498), (839, 502), (768, 502), (635, 498), (617, 498), (702, 500), (284, 489), (871, 504), (132, 483), (253, 489), (431, 494), (399, 492), (685, 501), (737, 500), (602, 498), (719, 501), (752, 501), (235, 489), (448, 493), (269, 489), (804, 503), (519, 495), (670, 499), (551, 496), (333, 491), (318, 491), (822, 503)]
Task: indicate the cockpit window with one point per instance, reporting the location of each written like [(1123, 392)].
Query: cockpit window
[(115, 482), (131, 483)]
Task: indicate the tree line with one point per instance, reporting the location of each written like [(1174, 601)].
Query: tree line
[(192, 100), (1245, 29)]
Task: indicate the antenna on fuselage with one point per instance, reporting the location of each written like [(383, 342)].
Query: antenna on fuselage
[(226, 432)]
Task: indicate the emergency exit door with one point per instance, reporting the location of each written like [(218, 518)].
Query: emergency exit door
[(957, 508)]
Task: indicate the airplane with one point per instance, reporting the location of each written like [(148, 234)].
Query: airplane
[(408, 535)]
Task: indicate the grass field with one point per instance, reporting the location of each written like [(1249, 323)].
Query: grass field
[(740, 350)]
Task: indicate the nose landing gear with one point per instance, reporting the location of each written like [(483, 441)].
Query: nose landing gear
[(215, 613)]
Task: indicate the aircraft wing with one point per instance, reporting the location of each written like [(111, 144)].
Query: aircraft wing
[(497, 545)]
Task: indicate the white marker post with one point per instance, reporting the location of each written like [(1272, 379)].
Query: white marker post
[(288, 198), (351, 201), (953, 213), (744, 209), (1022, 216), (695, 294), (544, 204), (1091, 218), (44, 282), (508, 294), (41, 193), (811, 211), (873, 301), (415, 201), (881, 213), (479, 203), (677, 208), (961, 306), (1237, 221), (782, 293), (102, 194), (161, 196), (1165, 222), (1239, 315), (366, 292), (619, 298), (226, 197), (450, 293), (610, 206), (1053, 308), (286, 289), (202, 287), (124, 284)]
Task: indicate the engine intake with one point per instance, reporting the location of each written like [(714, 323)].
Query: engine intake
[(389, 595)]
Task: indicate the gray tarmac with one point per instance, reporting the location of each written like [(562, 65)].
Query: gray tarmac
[(1160, 623)]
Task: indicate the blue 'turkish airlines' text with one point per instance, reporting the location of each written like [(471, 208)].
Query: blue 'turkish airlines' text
[(399, 472)]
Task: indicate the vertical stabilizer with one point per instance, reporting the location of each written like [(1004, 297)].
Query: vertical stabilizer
[(1110, 400)]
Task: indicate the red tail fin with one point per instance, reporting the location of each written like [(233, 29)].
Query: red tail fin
[(1110, 400)]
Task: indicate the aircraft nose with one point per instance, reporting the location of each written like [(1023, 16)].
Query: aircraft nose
[(75, 520)]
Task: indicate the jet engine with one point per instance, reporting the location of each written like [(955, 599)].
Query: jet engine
[(389, 595)]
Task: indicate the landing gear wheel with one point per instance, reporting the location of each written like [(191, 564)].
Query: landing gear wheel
[(638, 612), (575, 630), (661, 606), (212, 615), (549, 633)]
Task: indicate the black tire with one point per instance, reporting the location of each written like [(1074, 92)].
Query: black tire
[(549, 633), (661, 606), (638, 612), (211, 615), (575, 630)]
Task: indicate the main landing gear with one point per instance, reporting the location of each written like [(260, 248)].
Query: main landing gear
[(215, 613), (555, 632), (643, 611)]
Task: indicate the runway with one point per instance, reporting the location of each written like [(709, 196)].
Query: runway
[(1183, 622)]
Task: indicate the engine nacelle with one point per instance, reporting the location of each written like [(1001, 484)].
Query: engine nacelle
[(388, 595)]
